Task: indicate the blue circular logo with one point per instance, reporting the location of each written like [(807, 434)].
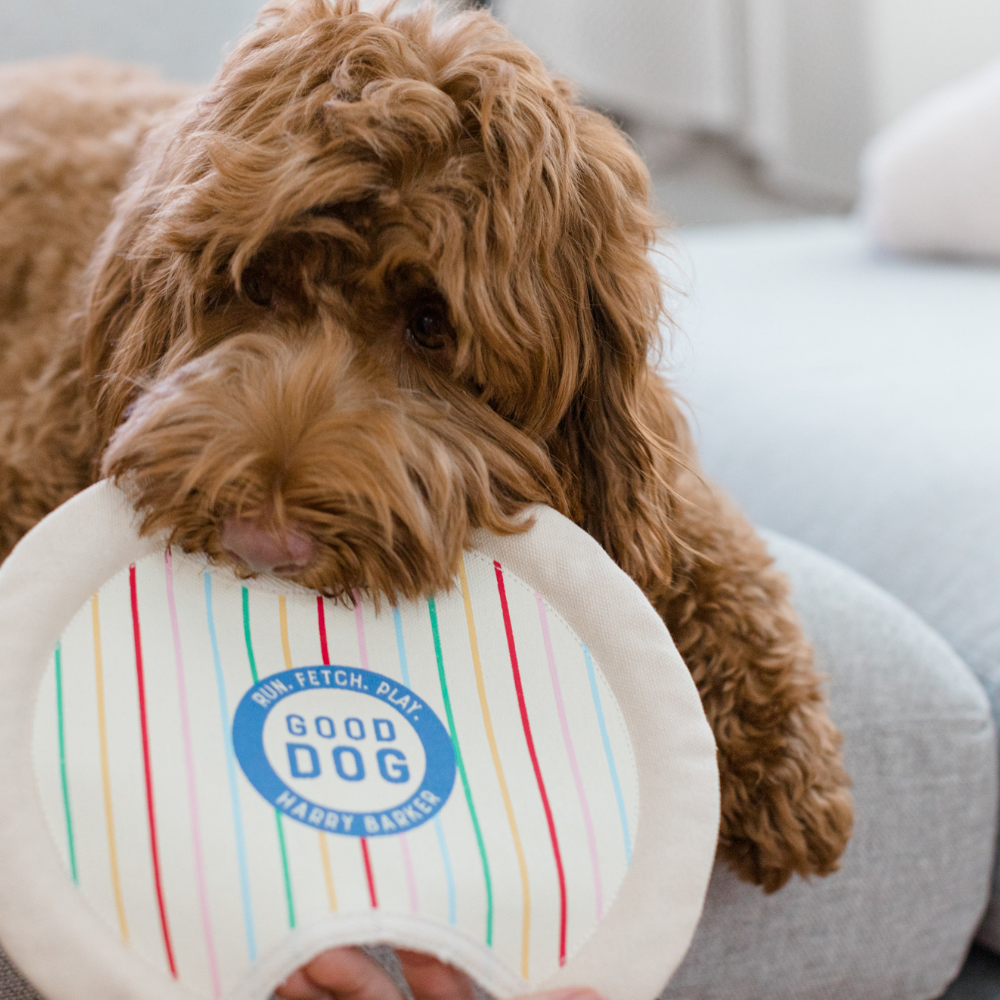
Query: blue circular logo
[(344, 750)]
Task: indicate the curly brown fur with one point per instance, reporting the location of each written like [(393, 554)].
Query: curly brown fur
[(69, 132), (384, 282)]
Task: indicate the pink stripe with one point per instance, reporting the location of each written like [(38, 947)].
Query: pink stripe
[(199, 862), (360, 623), (411, 877), (568, 740)]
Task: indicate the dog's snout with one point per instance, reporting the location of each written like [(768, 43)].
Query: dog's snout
[(265, 548)]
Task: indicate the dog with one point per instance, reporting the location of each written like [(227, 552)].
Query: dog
[(386, 280)]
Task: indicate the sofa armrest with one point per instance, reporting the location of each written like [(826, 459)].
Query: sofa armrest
[(919, 744)]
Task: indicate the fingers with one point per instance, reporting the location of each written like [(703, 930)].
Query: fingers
[(298, 987), (349, 974), (339, 974), (430, 979)]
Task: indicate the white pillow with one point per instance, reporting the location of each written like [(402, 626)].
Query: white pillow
[(931, 180), (188, 761)]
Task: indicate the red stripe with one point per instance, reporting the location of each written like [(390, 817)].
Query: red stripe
[(325, 650), (321, 614), (150, 809), (369, 874), (534, 762)]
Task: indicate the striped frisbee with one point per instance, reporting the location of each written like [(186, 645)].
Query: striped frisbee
[(206, 781)]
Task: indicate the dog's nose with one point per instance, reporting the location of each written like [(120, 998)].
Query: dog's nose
[(266, 549)]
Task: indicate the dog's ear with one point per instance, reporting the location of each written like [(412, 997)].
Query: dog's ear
[(621, 441), (131, 306), (126, 330)]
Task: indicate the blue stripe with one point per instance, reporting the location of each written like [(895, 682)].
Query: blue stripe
[(442, 844), (234, 794), (448, 873), (608, 753), (401, 646)]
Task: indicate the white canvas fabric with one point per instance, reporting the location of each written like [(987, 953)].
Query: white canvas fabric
[(929, 180), (208, 780)]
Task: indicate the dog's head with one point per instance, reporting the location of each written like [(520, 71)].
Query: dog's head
[(385, 282)]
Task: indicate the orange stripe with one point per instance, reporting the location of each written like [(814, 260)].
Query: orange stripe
[(508, 805), (283, 619), (331, 894), (106, 770)]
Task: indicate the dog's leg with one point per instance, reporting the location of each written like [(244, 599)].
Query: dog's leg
[(785, 803)]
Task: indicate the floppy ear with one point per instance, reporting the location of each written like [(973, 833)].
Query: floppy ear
[(132, 307), (126, 330), (622, 439)]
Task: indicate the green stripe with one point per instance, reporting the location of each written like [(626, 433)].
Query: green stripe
[(461, 770), (246, 634), (284, 866), (289, 898), (62, 763)]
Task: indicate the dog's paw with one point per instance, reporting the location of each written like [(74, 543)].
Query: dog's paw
[(792, 814)]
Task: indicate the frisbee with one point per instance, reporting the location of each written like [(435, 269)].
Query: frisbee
[(205, 780)]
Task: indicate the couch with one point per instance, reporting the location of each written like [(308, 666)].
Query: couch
[(849, 399)]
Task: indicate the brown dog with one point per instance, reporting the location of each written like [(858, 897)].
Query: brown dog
[(383, 282)]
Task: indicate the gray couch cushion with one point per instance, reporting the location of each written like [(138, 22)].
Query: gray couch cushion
[(12, 985), (895, 922), (850, 400)]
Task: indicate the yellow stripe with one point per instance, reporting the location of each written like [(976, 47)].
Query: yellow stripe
[(331, 895), (324, 852), (106, 770), (283, 618), (508, 805)]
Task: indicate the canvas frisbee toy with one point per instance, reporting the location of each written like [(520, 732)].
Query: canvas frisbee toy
[(207, 781)]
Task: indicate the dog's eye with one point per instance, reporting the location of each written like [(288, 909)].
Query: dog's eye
[(256, 287), (428, 327)]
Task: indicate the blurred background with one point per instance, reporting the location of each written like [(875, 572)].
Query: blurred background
[(744, 109)]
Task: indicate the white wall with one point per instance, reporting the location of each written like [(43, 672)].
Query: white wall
[(808, 85), (825, 75), (917, 46), (667, 60), (185, 39), (803, 83)]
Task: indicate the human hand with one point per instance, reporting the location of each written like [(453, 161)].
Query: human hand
[(349, 974)]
